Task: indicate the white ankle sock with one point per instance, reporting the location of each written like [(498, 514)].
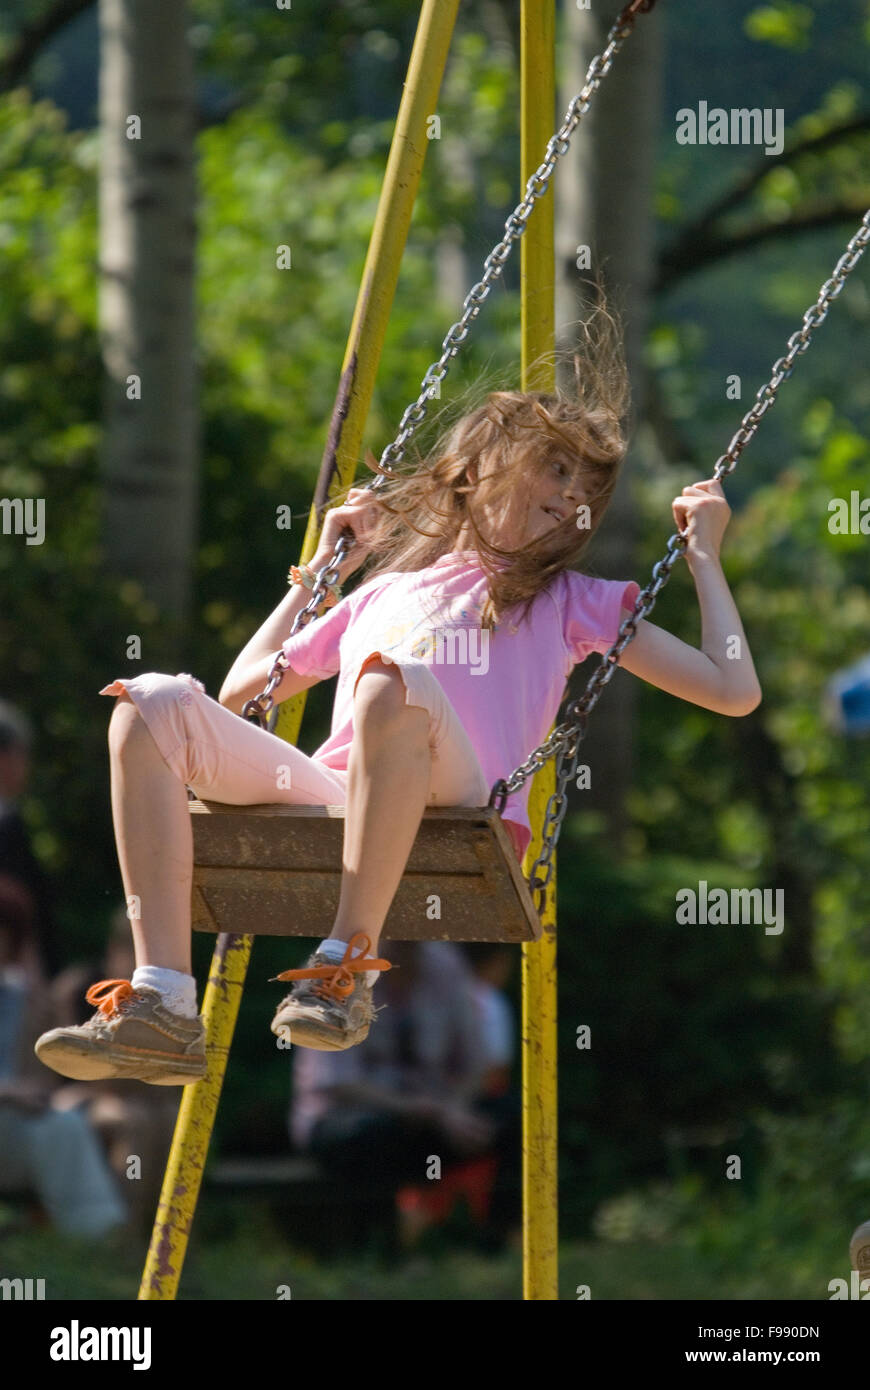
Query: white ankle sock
[(337, 950), (177, 990)]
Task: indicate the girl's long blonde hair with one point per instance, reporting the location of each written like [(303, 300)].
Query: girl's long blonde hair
[(509, 437)]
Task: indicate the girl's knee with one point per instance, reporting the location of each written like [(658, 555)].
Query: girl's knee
[(384, 686), (125, 726), (156, 687), (378, 664), (124, 712), (383, 697), (127, 721)]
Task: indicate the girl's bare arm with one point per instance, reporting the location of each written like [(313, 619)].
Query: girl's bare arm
[(250, 670), (719, 676)]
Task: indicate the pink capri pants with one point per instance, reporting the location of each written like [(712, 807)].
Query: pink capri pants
[(222, 757)]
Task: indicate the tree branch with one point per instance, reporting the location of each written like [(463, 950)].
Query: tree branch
[(686, 259), (674, 445), (33, 37), (218, 114), (759, 171), (775, 792)]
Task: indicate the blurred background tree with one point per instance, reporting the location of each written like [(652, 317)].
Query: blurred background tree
[(147, 221)]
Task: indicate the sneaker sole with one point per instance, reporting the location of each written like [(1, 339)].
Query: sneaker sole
[(308, 1033), (82, 1062)]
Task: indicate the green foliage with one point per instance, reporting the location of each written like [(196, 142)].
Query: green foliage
[(780, 1231), (789, 800), (786, 24), (692, 1026), (57, 607)]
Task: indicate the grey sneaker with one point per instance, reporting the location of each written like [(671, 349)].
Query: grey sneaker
[(132, 1036), (330, 1008)]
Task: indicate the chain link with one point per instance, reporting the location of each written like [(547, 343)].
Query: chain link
[(260, 706), (564, 742), (515, 226)]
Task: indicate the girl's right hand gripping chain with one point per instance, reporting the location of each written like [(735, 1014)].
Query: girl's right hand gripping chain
[(357, 515)]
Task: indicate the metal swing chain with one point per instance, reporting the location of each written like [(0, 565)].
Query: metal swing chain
[(515, 225), (260, 705), (564, 742)]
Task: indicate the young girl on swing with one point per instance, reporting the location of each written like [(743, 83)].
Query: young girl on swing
[(482, 536)]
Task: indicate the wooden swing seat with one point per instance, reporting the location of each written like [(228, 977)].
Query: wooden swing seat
[(275, 871)]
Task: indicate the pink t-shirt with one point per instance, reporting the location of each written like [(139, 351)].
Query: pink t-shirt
[(506, 686)]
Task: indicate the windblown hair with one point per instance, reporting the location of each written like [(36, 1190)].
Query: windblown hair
[(491, 454)]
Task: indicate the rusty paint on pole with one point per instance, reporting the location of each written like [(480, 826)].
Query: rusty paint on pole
[(379, 279), (537, 309)]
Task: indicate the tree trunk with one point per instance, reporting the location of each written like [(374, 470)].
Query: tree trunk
[(604, 201), (146, 274)]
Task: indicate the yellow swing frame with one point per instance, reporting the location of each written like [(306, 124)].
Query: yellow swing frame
[(184, 1171)]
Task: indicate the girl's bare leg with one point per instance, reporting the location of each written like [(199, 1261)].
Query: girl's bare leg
[(387, 789), (154, 839), (388, 785)]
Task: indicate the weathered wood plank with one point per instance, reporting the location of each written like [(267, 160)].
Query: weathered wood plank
[(275, 870)]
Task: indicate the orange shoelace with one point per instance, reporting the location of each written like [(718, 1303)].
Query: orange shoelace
[(108, 995), (337, 978)]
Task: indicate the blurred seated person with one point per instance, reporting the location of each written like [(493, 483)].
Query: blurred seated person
[(48, 1153), (377, 1113), (17, 860), (492, 965), (131, 1118)]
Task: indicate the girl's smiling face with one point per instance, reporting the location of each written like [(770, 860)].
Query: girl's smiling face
[(554, 496), (546, 504), (543, 503)]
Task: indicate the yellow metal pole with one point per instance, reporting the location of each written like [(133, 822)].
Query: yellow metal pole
[(177, 1205), (537, 269), (196, 1115), (380, 275)]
